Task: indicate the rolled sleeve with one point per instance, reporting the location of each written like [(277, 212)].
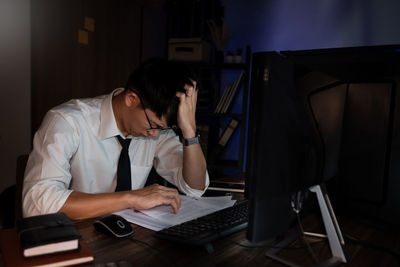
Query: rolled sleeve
[(168, 163), (47, 176), (187, 190)]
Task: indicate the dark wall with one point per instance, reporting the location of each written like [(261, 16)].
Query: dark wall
[(15, 136), (65, 66), (309, 24)]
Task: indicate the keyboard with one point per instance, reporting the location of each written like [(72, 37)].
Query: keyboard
[(208, 228)]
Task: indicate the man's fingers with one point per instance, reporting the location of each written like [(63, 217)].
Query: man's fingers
[(154, 195), (172, 200), (195, 92), (175, 205), (190, 89), (170, 196), (175, 198), (168, 189), (180, 94), (190, 92)]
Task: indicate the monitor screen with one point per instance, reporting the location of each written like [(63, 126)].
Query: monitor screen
[(318, 116), (281, 158)]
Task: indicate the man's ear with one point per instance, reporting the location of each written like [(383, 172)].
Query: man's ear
[(131, 99)]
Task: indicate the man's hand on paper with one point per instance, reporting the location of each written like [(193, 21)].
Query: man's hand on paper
[(160, 217), (155, 195)]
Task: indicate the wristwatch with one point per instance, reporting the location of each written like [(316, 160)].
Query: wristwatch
[(192, 141)]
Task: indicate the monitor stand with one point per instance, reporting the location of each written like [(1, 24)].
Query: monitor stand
[(334, 235)]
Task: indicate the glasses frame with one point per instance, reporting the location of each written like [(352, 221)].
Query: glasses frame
[(151, 128)]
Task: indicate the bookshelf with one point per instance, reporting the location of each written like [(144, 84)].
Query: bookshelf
[(223, 126)]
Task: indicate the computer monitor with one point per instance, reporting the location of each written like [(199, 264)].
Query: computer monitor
[(310, 115), (281, 155)]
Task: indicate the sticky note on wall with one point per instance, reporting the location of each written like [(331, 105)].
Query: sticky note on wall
[(83, 37), (89, 24)]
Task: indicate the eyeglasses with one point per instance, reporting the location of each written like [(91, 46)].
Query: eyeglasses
[(158, 128)]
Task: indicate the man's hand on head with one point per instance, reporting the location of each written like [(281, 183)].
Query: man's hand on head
[(155, 195), (187, 110)]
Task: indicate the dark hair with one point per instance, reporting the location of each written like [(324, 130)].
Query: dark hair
[(157, 80)]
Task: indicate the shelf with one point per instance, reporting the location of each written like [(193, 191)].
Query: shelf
[(224, 164), (228, 183), (219, 128)]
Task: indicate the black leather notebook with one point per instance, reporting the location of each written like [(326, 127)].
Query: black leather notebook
[(47, 234)]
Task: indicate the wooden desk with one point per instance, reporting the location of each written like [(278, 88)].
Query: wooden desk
[(162, 253), (167, 253), (229, 253)]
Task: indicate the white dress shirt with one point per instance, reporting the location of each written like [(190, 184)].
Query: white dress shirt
[(76, 149)]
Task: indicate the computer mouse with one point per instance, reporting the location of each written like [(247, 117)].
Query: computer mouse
[(113, 225)]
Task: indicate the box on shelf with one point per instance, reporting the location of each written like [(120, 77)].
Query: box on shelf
[(188, 49)]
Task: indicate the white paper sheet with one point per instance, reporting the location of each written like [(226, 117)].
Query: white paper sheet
[(142, 219), (161, 217)]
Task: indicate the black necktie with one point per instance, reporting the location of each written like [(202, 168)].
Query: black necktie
[(124, 166)]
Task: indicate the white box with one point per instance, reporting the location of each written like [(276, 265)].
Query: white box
[(188, 49)]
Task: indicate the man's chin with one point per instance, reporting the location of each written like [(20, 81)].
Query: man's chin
[(138, 135), (144, 134)]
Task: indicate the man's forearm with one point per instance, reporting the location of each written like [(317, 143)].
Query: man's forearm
[(81, 205), (194, 167), (194, 163)]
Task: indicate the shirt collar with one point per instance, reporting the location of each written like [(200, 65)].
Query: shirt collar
[(108, 125)]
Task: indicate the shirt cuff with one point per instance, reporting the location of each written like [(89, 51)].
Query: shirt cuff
[(187, 190), (39, 202)]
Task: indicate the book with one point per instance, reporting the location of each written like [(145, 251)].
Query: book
[(223, 140), (11, 253), (229, 183), (228, 132), (222, 100), (226, 187), (46, 234), (231, 93)]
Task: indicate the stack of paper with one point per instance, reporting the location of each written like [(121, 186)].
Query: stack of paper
[(161, 217)]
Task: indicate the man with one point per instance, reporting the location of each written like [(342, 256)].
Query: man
[(74, 165)]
